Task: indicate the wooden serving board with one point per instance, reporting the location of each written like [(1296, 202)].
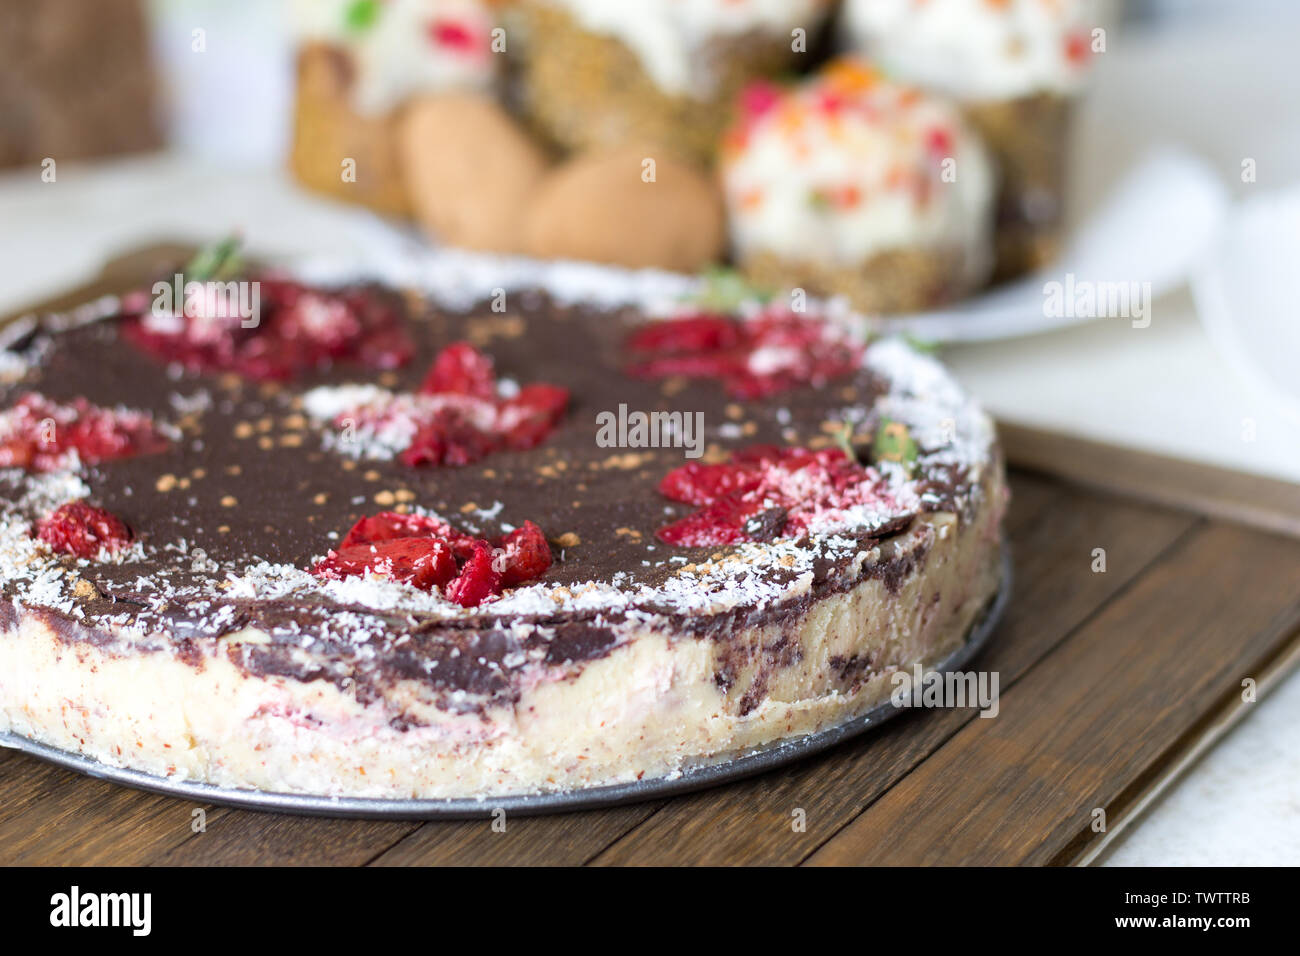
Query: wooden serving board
[(1111, 683)]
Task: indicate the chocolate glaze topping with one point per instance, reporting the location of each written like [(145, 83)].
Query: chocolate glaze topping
[(250, 483)]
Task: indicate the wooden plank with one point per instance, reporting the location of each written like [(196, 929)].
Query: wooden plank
[(246, 838), (1198, 740), (751, 822), (52, 815), (568, 839), (1090, 719), (1265, 503)]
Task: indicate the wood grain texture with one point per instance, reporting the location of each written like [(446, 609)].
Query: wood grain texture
[(1264, 503), (248, 838), (1091, 717), (52, 815), (569, 839), (1055, 590), (1132, 805)]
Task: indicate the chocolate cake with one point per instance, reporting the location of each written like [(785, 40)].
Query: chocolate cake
[(408, 533)]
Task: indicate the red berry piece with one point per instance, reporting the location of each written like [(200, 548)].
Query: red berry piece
[(765, 493), (697, 484), (692, 334), (721, 522), (478, 580), (752, 357), (422, 562), (388, 525), (460, 369), (532, 415), (297, 328), (451, 438), (40, 435), (528, 554), (81, 530), (393, 524), (428, 553), (457, 416)]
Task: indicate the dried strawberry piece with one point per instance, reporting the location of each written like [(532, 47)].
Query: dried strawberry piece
[(528, 554), (727, 366), (39, 434), (297, 328), (478, 579), (460, 369), (82, 530), (531, 415), (753, 357), (451, 438), (422, 562), (388, 525), (691, 334), (698, 484), (720, 522), (766, 492), (457, 417), (427, 553)]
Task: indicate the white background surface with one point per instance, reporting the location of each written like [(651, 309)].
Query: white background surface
[(1226, 92)]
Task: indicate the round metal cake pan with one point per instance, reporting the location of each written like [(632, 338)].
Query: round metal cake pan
[(717, 771)]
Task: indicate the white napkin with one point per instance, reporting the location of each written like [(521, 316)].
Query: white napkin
[(1245, 294)]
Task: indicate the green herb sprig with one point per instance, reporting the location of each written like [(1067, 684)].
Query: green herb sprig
[(218, 261)]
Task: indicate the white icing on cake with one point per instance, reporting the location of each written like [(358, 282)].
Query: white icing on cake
[(398, 51), (849, 165), (670, 37), (976, 49)]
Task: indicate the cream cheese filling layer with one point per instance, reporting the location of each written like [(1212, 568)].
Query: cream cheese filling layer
[(657, 703)]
